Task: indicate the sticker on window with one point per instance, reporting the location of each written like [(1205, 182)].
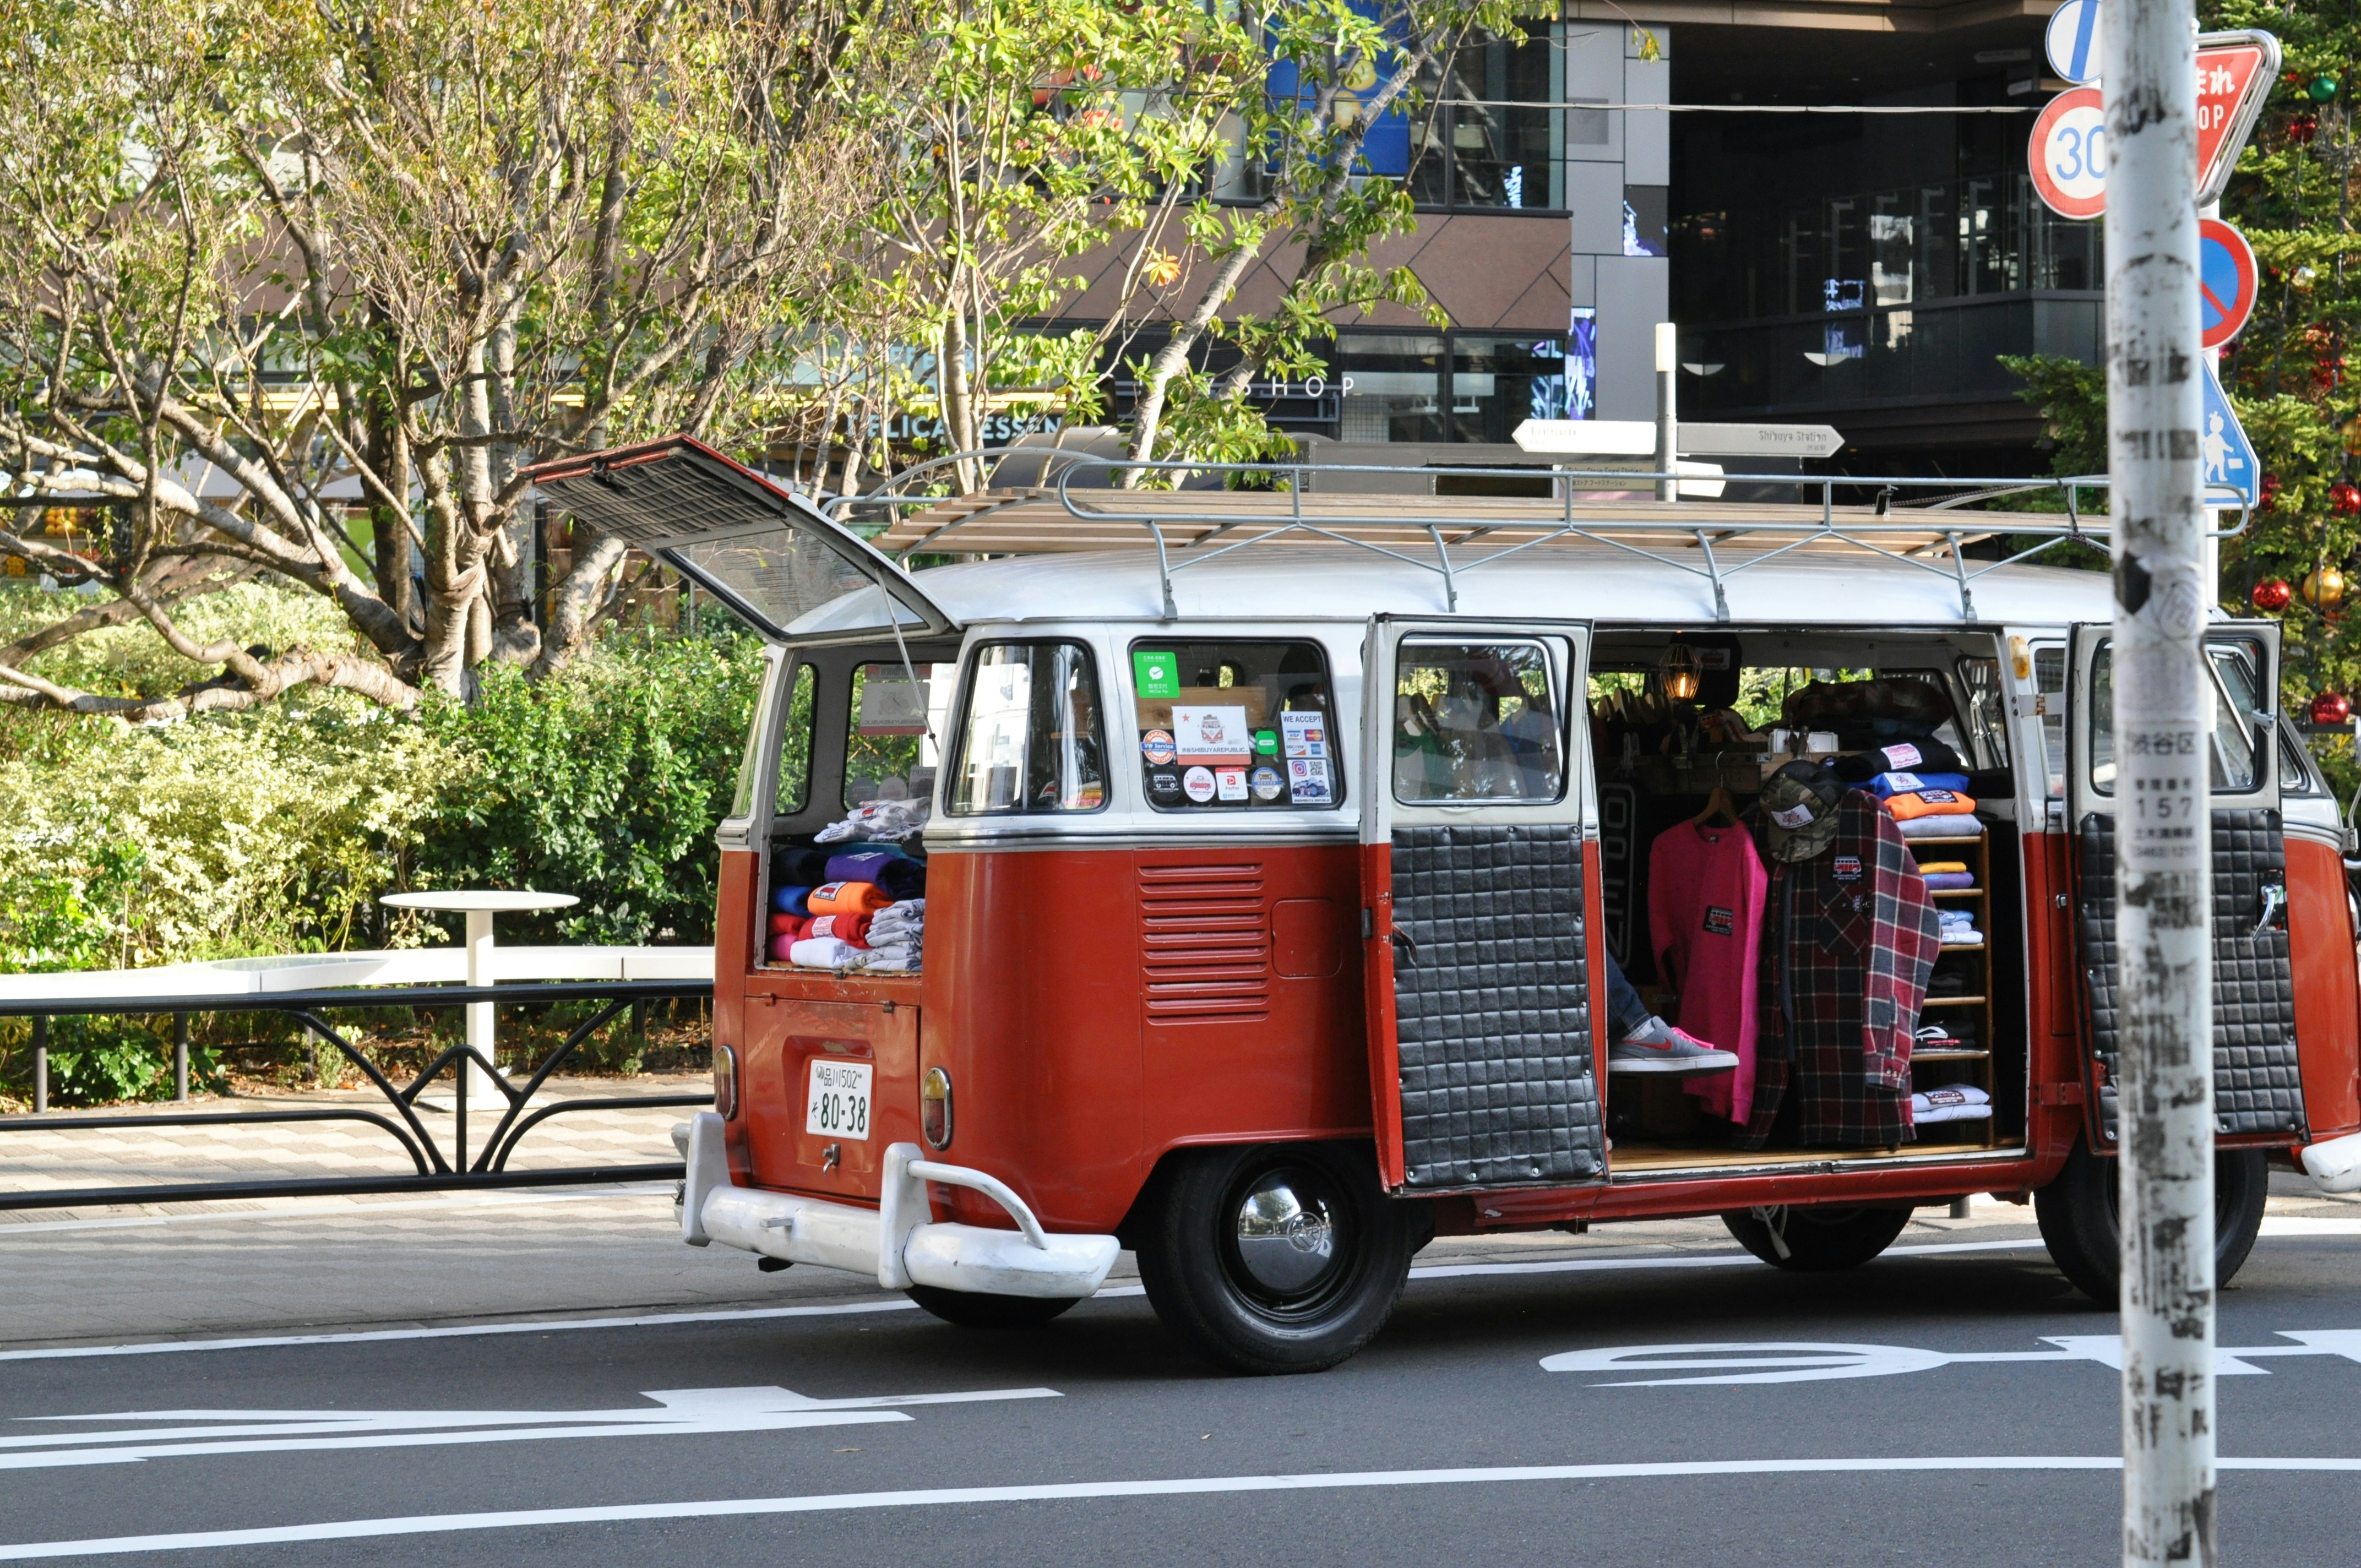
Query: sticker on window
[(1156, 674), (1211, 737), (1157, 746), (1307, 781)]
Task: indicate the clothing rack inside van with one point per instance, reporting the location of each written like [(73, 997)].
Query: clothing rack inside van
[(1076, 509)]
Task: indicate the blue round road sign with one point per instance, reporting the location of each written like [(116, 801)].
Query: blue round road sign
[(2225, 282), (2073, 42)]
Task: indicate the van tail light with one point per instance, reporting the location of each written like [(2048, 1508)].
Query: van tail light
[(725, 1082), (935, 1108)]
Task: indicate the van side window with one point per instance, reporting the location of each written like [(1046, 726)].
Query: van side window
[(1234, 726), (1030, 738), (892, 730), (2230, 750), (1477, 721), (794, 776)]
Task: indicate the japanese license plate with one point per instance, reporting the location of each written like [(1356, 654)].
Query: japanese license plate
[(839, 1105)]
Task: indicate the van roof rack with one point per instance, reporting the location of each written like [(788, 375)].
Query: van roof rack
[(1459, 533)]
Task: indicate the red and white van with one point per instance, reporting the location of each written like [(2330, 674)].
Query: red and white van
[(1275, 1027)]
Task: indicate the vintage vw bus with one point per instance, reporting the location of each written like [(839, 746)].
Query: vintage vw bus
[(1280, 844)]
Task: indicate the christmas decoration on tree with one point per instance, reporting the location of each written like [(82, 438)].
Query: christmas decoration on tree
[(2272, 595), (2324, 590), (2331, 708)]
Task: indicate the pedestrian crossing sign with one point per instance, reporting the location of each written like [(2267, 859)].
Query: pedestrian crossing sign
[(2234, 475)]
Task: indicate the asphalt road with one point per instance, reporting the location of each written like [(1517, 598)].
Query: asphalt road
[(1951, 1403)]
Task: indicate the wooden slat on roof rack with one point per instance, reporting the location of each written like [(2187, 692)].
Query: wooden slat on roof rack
[(1021, 522)]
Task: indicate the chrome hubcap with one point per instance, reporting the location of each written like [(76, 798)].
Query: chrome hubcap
[(1286, 1233)]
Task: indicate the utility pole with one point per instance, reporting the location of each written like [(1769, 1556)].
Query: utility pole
[(2164, 876), (1668, 355)]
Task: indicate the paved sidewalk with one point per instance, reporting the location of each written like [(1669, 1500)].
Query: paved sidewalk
[(34, 1159)]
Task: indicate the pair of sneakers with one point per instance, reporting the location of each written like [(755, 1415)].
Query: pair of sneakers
[(1658, 1047)]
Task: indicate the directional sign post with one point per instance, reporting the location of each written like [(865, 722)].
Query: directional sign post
[(1635, 438), (2225, 282)]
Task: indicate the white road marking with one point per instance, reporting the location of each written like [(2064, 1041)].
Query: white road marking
[(749, 1314), (677, 1413), (1733, 1363), (939, 1496)]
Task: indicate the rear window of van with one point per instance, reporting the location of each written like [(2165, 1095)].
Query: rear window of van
[(1234, 726)]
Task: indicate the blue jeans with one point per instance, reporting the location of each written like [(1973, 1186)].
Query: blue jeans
[(1625, 1011)]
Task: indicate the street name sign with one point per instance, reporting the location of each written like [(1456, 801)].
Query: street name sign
[(1637, 438)]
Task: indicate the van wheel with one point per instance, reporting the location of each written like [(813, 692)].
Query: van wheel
[(1275, 1258), (977, 1310), (2079, 1216), (1815, 1240)]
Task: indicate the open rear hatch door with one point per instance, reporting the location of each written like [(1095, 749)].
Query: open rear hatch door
[(1478, 883), (2258, 1088), (769, 554)]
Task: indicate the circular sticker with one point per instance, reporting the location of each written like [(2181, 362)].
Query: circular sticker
[(1266, 783), (1164, 784), (1157, 746), (1198, 783)]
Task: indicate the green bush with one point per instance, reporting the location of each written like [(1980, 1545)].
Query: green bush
[(606, 783), (276, 830)]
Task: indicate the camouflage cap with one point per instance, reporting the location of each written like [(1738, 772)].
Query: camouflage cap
[(1799, 810)]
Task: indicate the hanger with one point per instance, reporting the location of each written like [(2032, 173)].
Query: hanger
[(1718, 805)]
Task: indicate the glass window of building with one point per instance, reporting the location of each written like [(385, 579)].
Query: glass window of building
[(1395, 386), (1498, 383)]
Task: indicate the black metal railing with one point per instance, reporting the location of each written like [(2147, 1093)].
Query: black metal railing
[(435, 1167)]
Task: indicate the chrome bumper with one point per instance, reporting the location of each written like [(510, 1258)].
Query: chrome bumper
[(2337, 1164), (899, 1240)]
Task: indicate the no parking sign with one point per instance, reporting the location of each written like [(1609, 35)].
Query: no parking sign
[(2225, 282)]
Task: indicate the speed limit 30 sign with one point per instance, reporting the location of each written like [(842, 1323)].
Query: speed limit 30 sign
[(2069, 154)]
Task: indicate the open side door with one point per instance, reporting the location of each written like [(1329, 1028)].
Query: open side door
[(765, 552), (2257, 1085), (1478, 874)]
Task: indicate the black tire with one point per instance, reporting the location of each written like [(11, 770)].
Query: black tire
[(1313, 1288), (975, 1310), (1815, 1240), (2080, 1225)]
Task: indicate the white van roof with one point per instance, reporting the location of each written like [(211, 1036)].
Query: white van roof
[(1565, 581)]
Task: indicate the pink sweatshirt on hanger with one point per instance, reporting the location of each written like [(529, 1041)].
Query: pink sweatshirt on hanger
[(1706, 888)]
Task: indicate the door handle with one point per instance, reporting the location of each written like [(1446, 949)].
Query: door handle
[(2274, 915)]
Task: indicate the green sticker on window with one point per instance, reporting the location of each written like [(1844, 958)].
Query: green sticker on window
[(1266, 742), (1156, 674)]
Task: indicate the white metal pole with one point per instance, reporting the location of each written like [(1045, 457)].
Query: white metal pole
[(480, 1014), (2164, 880), (1667, 438)]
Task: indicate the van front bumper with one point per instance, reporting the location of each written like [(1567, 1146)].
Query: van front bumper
[(2337, 1164), (899, 1240)]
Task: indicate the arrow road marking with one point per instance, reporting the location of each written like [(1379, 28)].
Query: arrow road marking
[(1729, 1364), (677, 1413)]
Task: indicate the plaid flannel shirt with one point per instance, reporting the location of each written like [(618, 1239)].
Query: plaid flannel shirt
[(1852, 938)]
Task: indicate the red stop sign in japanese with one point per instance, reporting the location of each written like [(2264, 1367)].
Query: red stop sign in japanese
[(2230, 85)]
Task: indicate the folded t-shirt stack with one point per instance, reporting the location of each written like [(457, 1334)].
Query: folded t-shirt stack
[(1952, 1103), (886, 940), (1948, 825), (885, 821), (1942, 874), (1923, 755), (1960, 929)]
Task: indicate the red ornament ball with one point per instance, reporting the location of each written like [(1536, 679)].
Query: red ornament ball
[(2272, 595), (2344, 497), (2331, 708)]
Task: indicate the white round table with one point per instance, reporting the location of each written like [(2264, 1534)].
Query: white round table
[(479, 906)]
